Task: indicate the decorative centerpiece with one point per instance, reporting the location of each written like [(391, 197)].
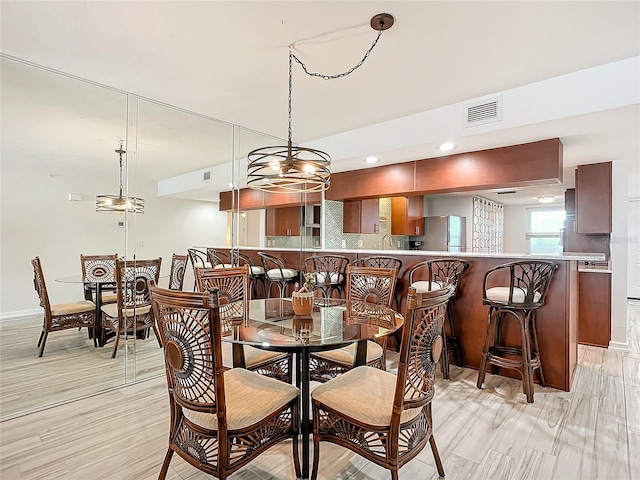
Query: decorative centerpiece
[(302, 300)]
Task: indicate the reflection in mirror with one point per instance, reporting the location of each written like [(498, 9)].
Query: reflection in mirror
[(178, 160), (59, 134)]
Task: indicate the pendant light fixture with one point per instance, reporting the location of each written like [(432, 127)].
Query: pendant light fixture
[(291, 168), (119, 203)]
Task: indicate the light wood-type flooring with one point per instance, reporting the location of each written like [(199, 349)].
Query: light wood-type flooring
[(592, 432)]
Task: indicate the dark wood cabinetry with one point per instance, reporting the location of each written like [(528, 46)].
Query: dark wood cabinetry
[(594, 308), (361, 216), (407, 216), (282, 222), (593, 198)]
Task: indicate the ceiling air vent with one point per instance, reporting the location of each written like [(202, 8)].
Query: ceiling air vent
[(206, 176), (485, 111)]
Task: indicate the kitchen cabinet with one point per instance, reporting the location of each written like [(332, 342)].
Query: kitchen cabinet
[(361, 216), (283, 222), (407, 216), (593, 198), (594, 308)]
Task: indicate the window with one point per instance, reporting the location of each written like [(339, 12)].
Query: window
[(543, 230)]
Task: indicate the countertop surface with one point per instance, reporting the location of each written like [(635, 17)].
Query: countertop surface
[(361, 251)]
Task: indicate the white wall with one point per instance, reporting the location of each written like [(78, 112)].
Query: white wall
[(515, 227), (38, 219)]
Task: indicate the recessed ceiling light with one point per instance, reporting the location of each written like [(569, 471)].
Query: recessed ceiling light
[(546, 198), (371, 159), (446, 146)]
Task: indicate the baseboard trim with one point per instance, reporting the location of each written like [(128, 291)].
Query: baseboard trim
[(20, 314), (619, 346)]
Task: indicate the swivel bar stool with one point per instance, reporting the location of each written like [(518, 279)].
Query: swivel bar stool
[(437, 274), (528, 283)]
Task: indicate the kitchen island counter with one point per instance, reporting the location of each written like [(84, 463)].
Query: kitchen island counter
[(556, 321)]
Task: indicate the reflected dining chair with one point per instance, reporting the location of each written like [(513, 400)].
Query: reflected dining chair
[(99, 269), (219, 259), (221, 419), (178, 267), (330, 273), (277, 273), (232, 285), (197, 258), (432, 275), (132, 312), (383, 417), (59, 316), (256, 272), (372, 285)]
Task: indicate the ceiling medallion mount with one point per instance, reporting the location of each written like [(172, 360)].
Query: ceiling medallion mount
[(291, 168)]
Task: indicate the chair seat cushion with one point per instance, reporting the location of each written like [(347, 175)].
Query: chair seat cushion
[(346, 355), (256, 270), (426, 286), (501, 294), (107, 297), (287, 273), (250, 397), (252, 356), (333, 277), (364, 394), (72, 307), (112, 310)]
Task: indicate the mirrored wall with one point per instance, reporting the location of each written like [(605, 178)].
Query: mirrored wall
[(59, 140)]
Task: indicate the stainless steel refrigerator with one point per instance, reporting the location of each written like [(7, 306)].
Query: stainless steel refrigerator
[(446, 234)]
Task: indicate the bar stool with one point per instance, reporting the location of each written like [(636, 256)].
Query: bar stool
[(277, 273), (256, 272), (330, 273), (440, 273), (528, 283)]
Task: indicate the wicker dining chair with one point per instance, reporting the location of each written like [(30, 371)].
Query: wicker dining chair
[(132, 312), (197, 258), (277, 273), (381, 261), (383, 417), (433, 275), (372, 285), (60, 316), (221, 419), (178, 267), (99, 268), (232, 285), (329, 271)]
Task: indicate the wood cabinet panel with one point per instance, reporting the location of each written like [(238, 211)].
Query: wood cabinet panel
[(251, 199), (594, 308), (407, 216), (282, 222), (351, 216), (372, 182), (593, 198), (517, 165), (370, 216)]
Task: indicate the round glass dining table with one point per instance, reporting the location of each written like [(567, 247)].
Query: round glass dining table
[(271, 324)]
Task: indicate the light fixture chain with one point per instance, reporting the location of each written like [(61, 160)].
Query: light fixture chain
[(290, 81), (329, 77)]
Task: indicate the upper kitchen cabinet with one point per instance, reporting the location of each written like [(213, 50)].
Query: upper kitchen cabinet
[(361, 216), (593, 198), (283, 222), (407, 216)]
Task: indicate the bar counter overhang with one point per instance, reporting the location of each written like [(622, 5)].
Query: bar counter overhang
[(556, 321)]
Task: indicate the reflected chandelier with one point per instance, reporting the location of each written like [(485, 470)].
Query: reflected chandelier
[(119, 203), (295, 169)]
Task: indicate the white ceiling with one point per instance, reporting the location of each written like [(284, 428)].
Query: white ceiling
[(228, 60)]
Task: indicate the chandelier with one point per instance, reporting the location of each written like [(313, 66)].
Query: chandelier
[(119, 203), (291, 168)]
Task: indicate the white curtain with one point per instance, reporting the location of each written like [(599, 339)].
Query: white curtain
[(488, 220)]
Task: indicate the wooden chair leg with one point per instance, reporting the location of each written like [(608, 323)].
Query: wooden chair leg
[(456, 350), (482, 370), (43, 339), (536, 350), (444, 356), (527, 370), (316, 457), (115, 345), (165, 464)]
